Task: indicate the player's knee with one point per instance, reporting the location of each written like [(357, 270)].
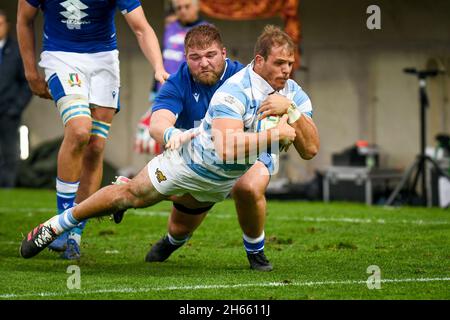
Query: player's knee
[(78, 137), (246, 190), (95, 148), (136, 196), (123, 197)]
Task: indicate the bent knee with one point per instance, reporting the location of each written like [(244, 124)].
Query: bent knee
[(96, 146), (246, 190), (78, 136)]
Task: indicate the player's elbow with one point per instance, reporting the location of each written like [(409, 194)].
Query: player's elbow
[(309, 152), (141, 30)]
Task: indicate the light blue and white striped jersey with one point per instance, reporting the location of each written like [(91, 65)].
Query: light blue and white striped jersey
[(238, 98)]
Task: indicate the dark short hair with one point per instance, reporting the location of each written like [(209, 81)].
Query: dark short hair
[(272, 36), (202, 37)]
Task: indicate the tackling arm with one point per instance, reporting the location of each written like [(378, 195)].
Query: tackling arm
[(148, 42), (160, 121)]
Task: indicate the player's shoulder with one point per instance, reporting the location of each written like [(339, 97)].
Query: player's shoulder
[(232, 91), (292, 85), (234, 66), (240, 79)]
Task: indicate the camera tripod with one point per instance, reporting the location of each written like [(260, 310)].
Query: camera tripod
[(419, 167)]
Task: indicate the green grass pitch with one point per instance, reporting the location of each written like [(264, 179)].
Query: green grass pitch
[(319, 251)]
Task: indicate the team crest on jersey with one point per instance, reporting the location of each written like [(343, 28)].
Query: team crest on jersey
[(74, 80), (160, 176)]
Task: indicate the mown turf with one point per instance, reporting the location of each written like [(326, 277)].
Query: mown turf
[(319, 251)]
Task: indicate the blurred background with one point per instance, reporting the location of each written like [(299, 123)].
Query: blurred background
[(353, 75)]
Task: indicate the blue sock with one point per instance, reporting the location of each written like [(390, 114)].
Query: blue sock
[(65, 194), (253, 245)]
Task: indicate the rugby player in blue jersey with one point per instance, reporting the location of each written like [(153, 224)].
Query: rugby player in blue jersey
[(181, 104), (81, 64), (223, 149)]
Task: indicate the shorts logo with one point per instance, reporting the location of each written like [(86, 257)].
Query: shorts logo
[(74, 80), (114, 94), (160, 176)]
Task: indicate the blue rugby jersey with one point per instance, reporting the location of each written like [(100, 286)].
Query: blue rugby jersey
[(188, 99), (238, 98), (81, 26)]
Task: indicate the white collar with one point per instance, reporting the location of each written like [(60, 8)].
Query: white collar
[(224, 69), (258, 82), (2, 43)]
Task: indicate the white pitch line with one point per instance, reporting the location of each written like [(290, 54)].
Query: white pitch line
[(274, 216), (307, 219), (218, 286)]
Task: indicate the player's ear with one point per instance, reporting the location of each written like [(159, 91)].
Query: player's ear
[(259, 61), (224, 52)]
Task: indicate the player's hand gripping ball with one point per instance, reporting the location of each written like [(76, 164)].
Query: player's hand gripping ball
[(270, 122)]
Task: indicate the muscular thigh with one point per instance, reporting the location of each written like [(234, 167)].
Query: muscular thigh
[(104, 114)]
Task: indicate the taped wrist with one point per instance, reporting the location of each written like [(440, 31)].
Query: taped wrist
[(169, 132), (293, 113)]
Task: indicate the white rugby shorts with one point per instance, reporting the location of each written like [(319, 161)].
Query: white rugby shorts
[(170, 175), (93, 75)]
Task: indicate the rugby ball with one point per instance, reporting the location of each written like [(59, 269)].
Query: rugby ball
[(269, 123)]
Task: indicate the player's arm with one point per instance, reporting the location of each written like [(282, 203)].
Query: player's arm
[(232, 143), (161, 121), (307, 140), (148, 42), (25, 35)]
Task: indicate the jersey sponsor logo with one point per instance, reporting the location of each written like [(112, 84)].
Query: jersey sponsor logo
[(160, 176), (170, 54), (177, 39), (74, 80), (196, 96), (230, 99), (74, 14)]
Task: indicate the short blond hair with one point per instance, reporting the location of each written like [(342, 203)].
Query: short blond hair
[(272, 36)]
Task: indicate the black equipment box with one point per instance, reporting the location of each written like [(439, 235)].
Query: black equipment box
[(359, 184)]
